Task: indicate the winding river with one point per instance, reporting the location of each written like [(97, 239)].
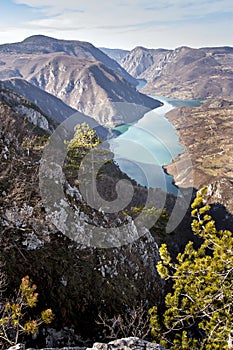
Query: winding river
[(144, 147)]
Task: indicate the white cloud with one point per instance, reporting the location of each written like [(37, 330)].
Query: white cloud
[(129, 22), (92, 13), (103, 6)]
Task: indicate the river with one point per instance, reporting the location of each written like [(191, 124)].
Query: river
[(145, 146)]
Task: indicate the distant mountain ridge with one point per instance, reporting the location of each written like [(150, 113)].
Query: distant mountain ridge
[(116, 54), (40, 44), (80, 75), (140, 62), (185, 72), (89, 87)]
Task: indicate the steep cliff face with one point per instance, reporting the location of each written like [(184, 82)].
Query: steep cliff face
[(42, 108), (77, 281), (184, 72), (206, 132), (26, 110), (143, 63), (49, 104)]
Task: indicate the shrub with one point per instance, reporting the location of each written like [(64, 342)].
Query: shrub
[(13, 314), (199, 311)]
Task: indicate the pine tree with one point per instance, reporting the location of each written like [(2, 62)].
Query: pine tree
[(199, 310), (83, 141)]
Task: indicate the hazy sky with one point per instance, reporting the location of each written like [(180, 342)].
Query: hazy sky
[(121, 23)]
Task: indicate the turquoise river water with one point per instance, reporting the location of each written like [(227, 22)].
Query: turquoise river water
[(144, 147)]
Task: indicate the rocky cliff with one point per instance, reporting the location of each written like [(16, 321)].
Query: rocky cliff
[(49, 104), (27, 111), (78, 281), (46, 110), (143, 63)]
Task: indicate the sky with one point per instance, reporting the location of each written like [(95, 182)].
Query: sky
[(121, 24)]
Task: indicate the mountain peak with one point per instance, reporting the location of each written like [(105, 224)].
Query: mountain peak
[(39, 37)]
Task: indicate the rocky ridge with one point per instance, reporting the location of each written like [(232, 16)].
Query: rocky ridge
[(76, 280), (41, 108), (49, 104), (25, 109), (80, 75), (91, 88), (143, 63), (40, 45)]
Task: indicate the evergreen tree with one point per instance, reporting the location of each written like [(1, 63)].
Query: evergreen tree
[(83, 141), (198, 312)]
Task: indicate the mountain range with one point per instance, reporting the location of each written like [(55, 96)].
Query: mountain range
[(80, 75), (88, 80), (41, 45), (185, 72)]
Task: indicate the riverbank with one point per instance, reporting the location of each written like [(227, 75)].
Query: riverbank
[(206, 132)]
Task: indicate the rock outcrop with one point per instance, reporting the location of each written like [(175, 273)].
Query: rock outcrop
[(127, 344), (25, 109), (49, 104), (143, 63), (41, 108), (119, 344)]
